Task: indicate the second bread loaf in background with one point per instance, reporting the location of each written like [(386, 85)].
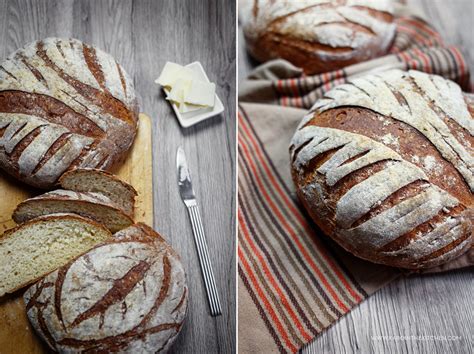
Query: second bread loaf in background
[(317, 35)]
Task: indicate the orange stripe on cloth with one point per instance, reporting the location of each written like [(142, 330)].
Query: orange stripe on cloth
[(406, 59), (416, 35), (290, 268), (266, 303), (420, 25), (459, 60), (272, 280), (425, 59), (281, 96), (295, 238), (293, 87)]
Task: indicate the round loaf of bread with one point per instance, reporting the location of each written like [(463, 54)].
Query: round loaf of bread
[(384, 165), (318, 35), (63, 105), (128, 294)]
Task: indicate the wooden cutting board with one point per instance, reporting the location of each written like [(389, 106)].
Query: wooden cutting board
[(16, 334)]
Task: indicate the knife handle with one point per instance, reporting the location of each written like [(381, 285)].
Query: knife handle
[(204, 260)]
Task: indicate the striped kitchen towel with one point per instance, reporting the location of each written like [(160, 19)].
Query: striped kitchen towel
[(293, 281)]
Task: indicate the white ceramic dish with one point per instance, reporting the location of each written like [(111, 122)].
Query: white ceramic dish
[(190, 118)]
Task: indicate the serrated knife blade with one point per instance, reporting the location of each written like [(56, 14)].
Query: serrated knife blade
[(187, 195)]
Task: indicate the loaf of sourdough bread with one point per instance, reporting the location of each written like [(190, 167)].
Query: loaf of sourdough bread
[(40, 246), (63, 105), (126, 295), (384, 165), (95, 206), (318, 35), (97, 181)]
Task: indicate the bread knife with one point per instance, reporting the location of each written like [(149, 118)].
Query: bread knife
[(189, 199)]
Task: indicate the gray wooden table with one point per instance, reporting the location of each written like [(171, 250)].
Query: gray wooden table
[(433, 305), (142, 35)]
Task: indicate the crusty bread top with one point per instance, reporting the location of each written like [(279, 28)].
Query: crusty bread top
[(344, 25), (63, 104), (431, 104), (141, 232), (388, 160), (126, 295)]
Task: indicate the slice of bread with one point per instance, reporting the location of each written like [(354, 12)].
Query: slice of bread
[(97, 181), (40, 246), (91, 205)]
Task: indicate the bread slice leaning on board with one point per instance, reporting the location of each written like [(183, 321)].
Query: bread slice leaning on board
[(127, 294), (384, 165), (33, 249), (91, 205), (98, 181)]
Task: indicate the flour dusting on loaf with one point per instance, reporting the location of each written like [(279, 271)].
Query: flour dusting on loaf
[(126, 295), (63, 105), (371, 159), (325, 30)]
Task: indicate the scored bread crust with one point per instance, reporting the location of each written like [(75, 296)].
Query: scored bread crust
[(46, 219), (124, 197), (128, 294), (63, 105), (91, 205), (384, 165), (318, 35)]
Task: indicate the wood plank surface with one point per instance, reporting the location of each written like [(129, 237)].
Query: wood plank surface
[(429, 305), (142, 35), (16, 334)]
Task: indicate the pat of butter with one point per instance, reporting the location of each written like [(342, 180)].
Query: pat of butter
[(169, 74), (179, 90), (201, 93), (186, 108), (186, 88), (172, 72)]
